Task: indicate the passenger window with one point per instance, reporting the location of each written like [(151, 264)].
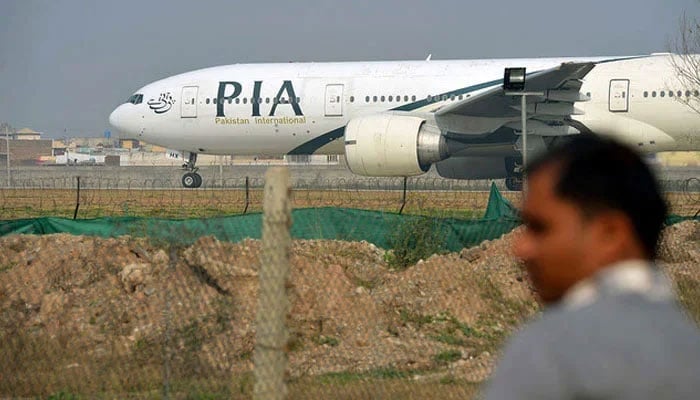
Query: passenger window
[(383, 99), (405, 98), (391, 98), (207, 101), (366, 99), (267, 100), (670, 93), (413, 98), (646, 94), (245, 100), (653, 94), (352, 99), (374, 99), (679, 93), (461, 96), (696, 93), (687, 93), (230, 101), (662, 93)]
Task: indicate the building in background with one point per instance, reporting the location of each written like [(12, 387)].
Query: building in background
[(26, 148), (25, 134)]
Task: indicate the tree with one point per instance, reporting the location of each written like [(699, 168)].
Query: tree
[(686, 60)]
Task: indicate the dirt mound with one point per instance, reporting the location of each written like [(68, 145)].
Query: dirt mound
[(76, 311)]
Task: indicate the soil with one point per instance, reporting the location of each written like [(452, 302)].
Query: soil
[(78, 311)]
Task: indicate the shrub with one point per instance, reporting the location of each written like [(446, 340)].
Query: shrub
[(414, 239)]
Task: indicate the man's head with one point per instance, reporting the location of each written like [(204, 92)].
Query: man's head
[(590, 203)]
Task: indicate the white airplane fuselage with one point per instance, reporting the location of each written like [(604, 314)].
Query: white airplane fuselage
[(302, 108)]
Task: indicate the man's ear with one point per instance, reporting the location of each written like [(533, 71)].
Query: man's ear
[(616, 236)]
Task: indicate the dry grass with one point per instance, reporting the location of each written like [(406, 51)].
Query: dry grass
[(175, 203), (180, 203)]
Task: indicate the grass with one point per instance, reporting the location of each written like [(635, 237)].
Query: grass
[(7, 267), (201, 203), (327, 340), (447, 357)]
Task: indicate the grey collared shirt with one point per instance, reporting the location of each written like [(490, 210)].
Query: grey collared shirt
[(618, 335)]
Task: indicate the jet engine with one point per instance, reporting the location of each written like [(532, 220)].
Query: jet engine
[(392, 145)]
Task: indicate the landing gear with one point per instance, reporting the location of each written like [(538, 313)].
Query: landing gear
[(191, 179), (514, 169), (514, 183)]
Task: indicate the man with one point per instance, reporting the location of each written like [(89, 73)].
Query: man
[(611, 327)]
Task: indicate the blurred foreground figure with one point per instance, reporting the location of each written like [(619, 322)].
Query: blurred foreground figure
[(611, 329)]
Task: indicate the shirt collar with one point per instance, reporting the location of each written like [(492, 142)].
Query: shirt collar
[(629, 276)]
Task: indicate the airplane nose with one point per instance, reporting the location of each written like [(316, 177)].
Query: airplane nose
[(115, 119), (121, 122)]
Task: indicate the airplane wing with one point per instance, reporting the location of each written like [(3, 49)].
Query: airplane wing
[(492, 108), (494, 103)]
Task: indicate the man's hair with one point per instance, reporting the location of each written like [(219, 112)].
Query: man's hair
[(599, 174)]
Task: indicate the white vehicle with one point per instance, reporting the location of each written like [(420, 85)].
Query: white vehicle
[(399, 118)]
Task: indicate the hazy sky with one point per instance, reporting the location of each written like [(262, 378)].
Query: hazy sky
[(64, 65)]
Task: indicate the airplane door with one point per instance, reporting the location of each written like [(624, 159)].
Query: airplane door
[(189, 102), (619, 95), (334, 100)]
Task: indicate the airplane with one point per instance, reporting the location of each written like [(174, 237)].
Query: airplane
[(399, 118)]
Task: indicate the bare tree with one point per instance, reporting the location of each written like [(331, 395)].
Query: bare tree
[(685, 60)]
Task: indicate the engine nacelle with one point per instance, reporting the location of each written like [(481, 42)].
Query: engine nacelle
[(392, 145)]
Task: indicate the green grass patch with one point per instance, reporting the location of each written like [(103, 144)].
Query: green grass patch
[(415, 239), (380, 373), (447, 357), (327, 340)]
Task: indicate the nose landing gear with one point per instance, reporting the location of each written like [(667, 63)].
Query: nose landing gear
[(191, 179)]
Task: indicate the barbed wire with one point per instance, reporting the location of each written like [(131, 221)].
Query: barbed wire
[(101, 197)]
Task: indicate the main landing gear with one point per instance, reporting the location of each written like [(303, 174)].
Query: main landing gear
[(191, 179), (514, 169)]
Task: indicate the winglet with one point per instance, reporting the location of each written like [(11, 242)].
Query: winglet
[(429, 57)]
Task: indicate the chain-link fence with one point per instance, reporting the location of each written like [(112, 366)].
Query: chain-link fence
[(193, 315), (90, 197)]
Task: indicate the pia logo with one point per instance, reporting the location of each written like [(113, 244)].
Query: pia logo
[(163, 104)]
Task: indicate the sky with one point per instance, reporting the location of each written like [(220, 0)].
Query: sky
[(65, 65)]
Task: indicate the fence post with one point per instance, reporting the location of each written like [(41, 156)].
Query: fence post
[(271, 335), (247, 194), (403, 201), (77, 200)]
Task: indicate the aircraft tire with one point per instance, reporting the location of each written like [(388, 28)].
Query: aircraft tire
[(514, 183), (198, 180), (190, 180)]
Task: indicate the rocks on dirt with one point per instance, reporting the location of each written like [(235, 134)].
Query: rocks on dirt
[(134, 276)]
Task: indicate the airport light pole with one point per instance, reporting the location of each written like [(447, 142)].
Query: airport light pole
[(514, 85), (7, 156)]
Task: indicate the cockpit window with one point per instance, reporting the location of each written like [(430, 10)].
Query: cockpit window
[(135, 99)]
